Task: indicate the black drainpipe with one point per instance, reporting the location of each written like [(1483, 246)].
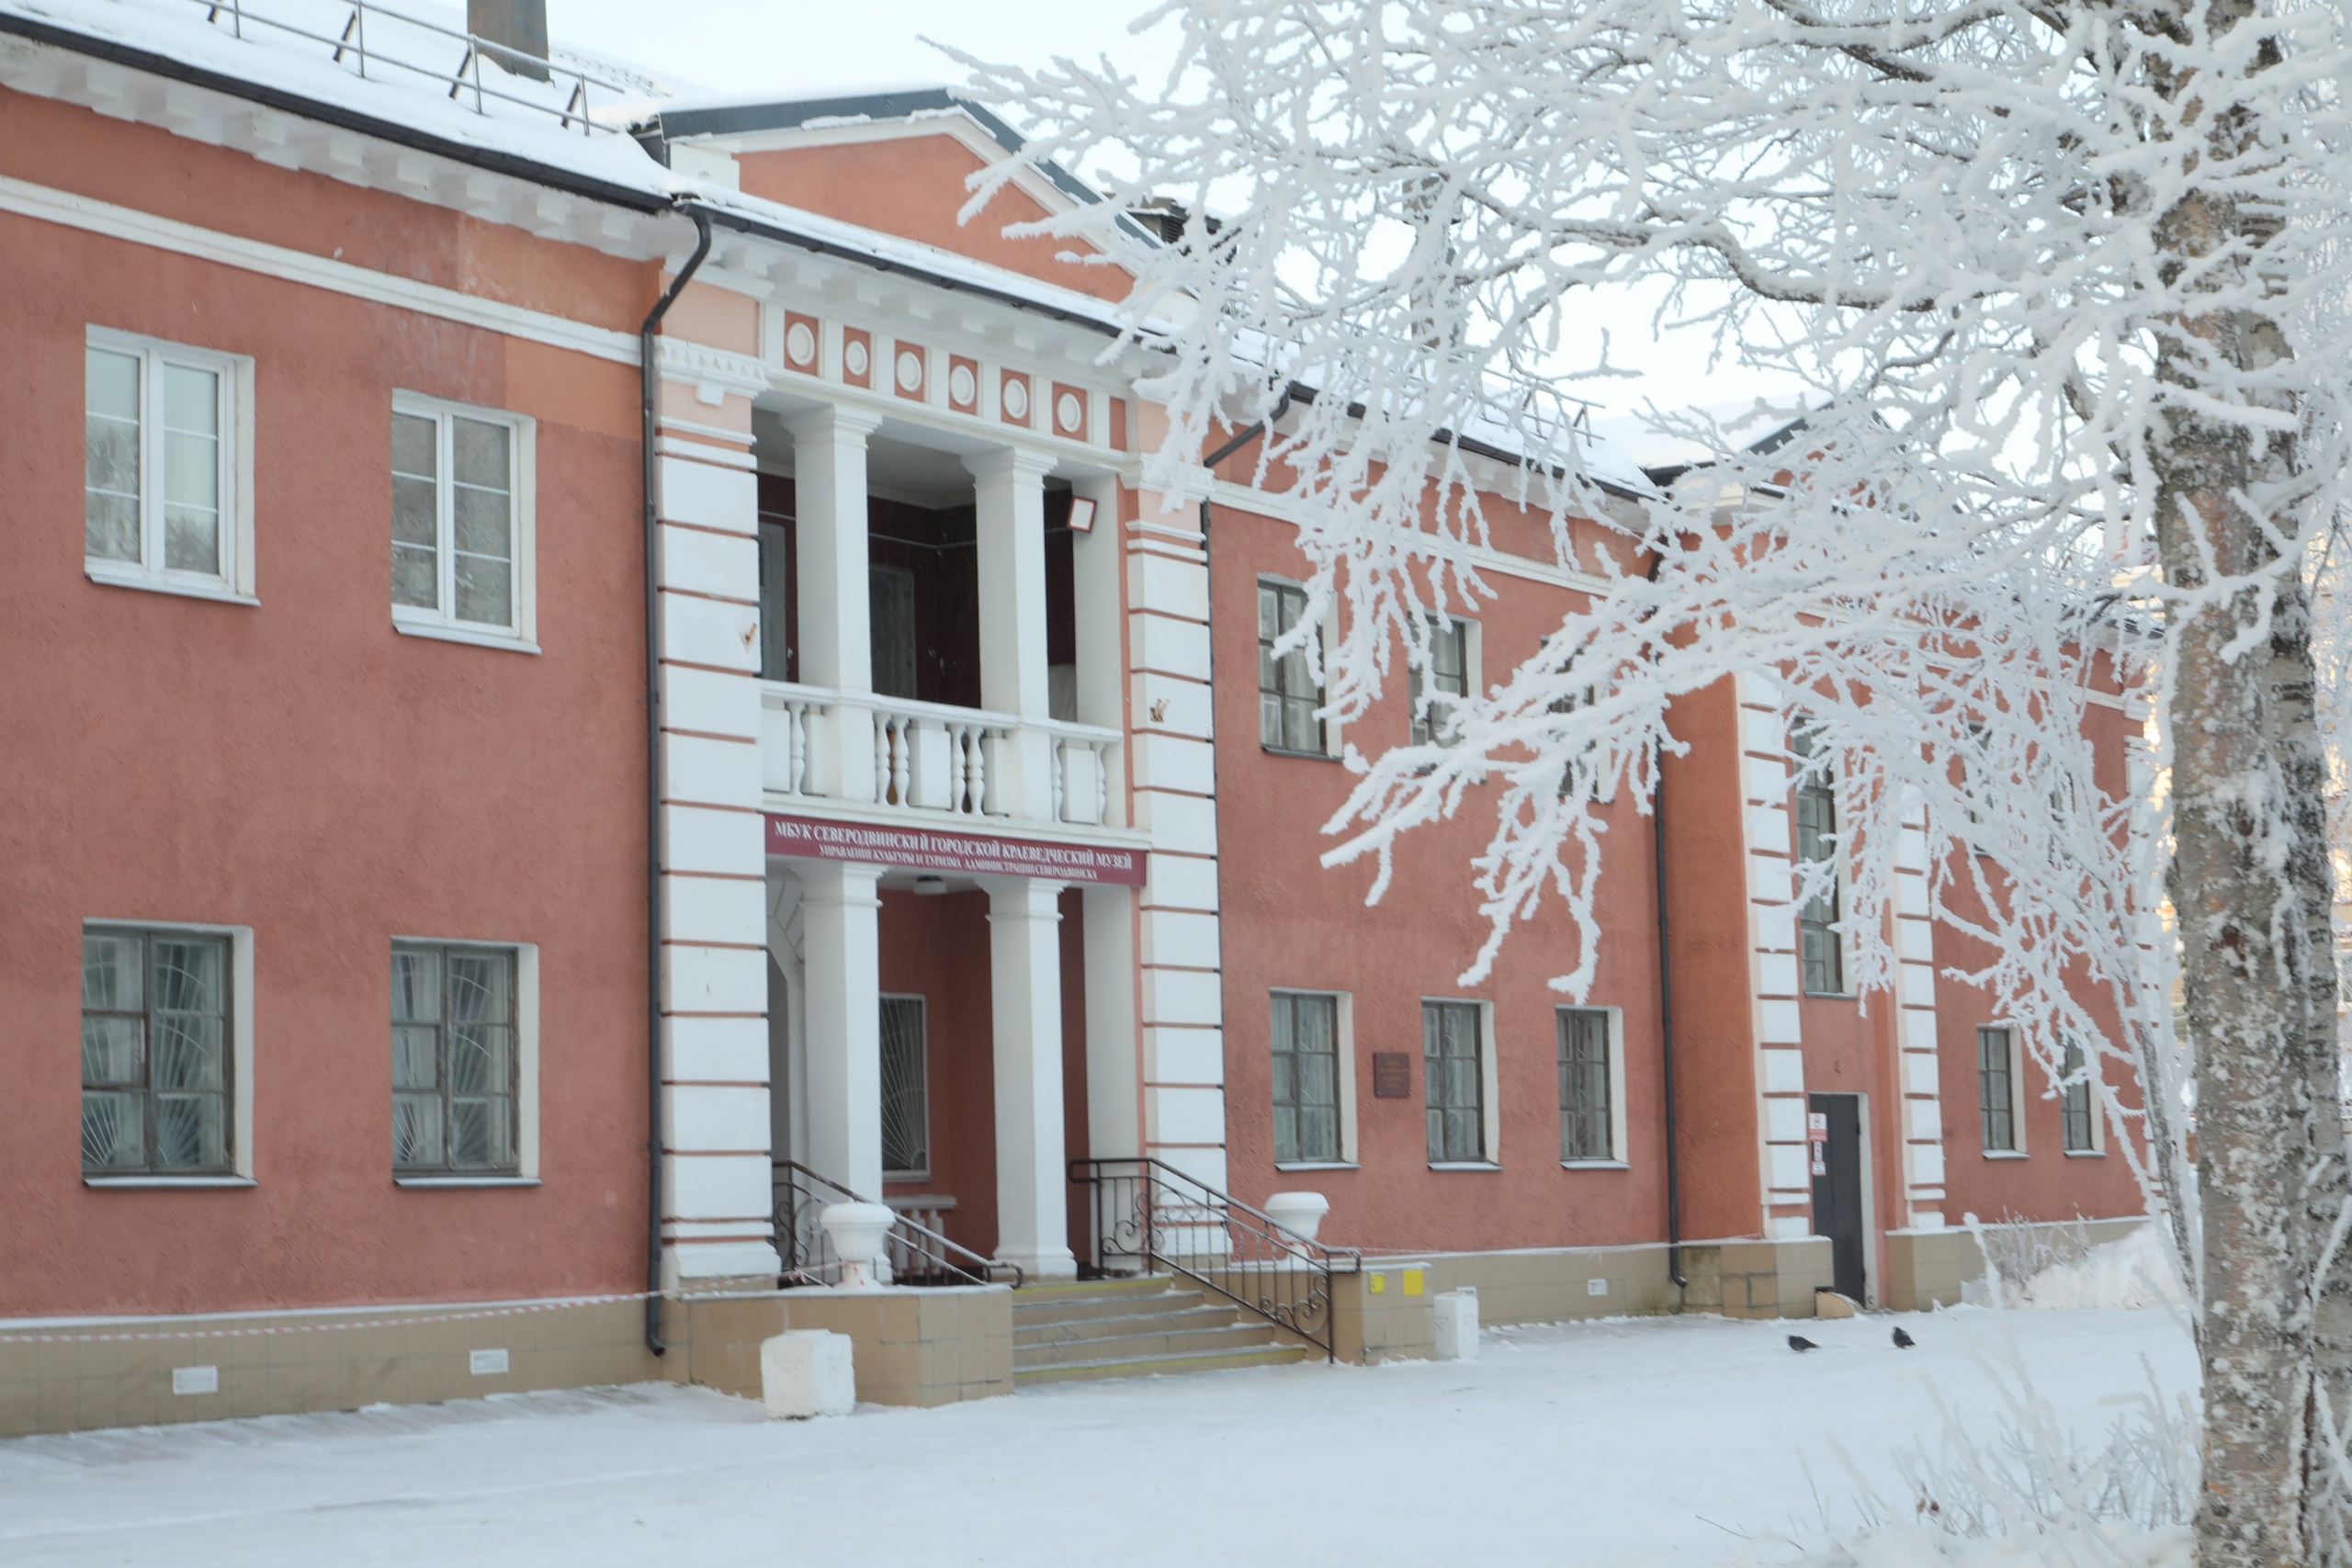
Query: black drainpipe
[(651, 384), (1665, 1005)]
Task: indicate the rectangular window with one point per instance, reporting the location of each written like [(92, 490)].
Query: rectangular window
[(1587, 1100), (906, 1091), (456, 1061), (1448, 677), (156, 1053), (1306, 1078), (2079, 1131), (1454, 1079), (890, 629), (777, 610), (461, 559), (1816, 812), (1997, 1089), (160, 459), (1288, 694)]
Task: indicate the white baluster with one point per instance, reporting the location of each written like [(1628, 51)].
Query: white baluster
[(1102, 781), (882, 751), (1058, 748), (977, 741), (901, 738)]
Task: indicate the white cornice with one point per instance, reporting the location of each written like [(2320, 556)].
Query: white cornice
[(90, 216), (713, 372)]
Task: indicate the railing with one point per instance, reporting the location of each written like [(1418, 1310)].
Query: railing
[(1148, 1212), (932, 759), (380, 43), (913, 1253)]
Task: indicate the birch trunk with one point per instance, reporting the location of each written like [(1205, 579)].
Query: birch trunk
[(2252, 889)]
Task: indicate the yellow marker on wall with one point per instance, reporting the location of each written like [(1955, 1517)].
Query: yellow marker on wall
[(1412, 1282), (1379, 1285)]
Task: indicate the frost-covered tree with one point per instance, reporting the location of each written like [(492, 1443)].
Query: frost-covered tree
[(2062, 283)]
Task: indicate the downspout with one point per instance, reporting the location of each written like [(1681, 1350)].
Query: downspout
[(650, 381), (1665, 1006)]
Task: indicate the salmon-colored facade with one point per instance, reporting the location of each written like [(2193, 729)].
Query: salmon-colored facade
[(864, 793)]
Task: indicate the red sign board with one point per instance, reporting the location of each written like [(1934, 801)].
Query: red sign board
[(973, 855)]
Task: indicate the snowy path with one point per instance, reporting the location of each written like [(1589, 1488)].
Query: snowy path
[(1617, 1443)]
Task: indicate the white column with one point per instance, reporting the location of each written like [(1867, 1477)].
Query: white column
[(836, 641), (1009, 492), (839, 910), (1096, 559), (1025, 996), (714, 1097)]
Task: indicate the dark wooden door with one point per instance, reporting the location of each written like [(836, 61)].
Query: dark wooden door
[(1837, 1187)]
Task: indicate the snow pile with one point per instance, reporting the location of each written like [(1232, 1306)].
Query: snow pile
[(2058, 1269), (1912, 1546)]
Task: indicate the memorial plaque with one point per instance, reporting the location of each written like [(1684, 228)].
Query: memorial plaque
[(1392, 1077)]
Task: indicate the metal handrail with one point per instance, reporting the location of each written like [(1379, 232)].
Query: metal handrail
[(913, 1250), (1148, 1210), (353, 44)]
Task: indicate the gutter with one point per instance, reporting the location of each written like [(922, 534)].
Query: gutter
[(650, 383)]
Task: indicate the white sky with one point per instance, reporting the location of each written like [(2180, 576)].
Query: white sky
[(793, 48)]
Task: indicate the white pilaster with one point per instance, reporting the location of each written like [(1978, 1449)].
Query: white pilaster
[(1775, 974), (829, 557), (1113, 1046), (840, 936), (1182, 1004), (1096, 559), (1009, 493), (714, 1096), (1917, 1081), (1026, 1000)]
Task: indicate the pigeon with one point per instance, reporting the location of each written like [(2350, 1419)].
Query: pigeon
[(1903, 1341), (1800, 1344)]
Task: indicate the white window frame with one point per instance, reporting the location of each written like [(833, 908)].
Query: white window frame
[(2091, 1112), (1473, 675), (1327, 640), (1343, 1029), (240, 1057), (1618, 1159), (234, 583), (526, 1064), (414, 620), (2017, 1149), (1489, 1089)]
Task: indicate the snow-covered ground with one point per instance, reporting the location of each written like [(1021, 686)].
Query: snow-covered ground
[(1663, 1440)]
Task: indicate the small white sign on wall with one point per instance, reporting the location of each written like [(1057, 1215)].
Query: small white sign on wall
[(195, 1380), (487, 1363)]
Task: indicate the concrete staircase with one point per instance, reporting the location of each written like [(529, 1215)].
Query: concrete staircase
[(1133, 1328)]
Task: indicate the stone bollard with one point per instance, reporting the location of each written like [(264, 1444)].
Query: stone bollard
[(807, 1372), (1457, 1325)]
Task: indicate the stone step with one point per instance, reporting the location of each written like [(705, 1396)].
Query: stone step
[(1063, 1331), (1160, 1366), (1078, 1309), (1075, 1289), (1147, 1345)]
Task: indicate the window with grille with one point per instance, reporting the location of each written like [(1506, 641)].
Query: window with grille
[(453, 1061), (2074, 1103), (1306, 1078), (1997, 1089), (458, 518), (890, 629), (160, 444), (1288, 694), (1454, 1079), (1446, 680), (1816, 813), (155, 1053), (1588, 1113), (905, 1093)]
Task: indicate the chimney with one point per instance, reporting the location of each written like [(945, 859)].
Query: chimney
[(518, 28)]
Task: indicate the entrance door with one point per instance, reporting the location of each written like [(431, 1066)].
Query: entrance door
[(1837, 1187)]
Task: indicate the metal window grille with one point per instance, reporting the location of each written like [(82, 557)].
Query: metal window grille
[(453, 1061), (1587, 1125), (2074, 1103), (1816, 812), (1453, 1081), (453, 517), (906, 1092), (155, 1068), (1997, 1089), (1288, 694), (1306, 1077), (1448, 677)]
